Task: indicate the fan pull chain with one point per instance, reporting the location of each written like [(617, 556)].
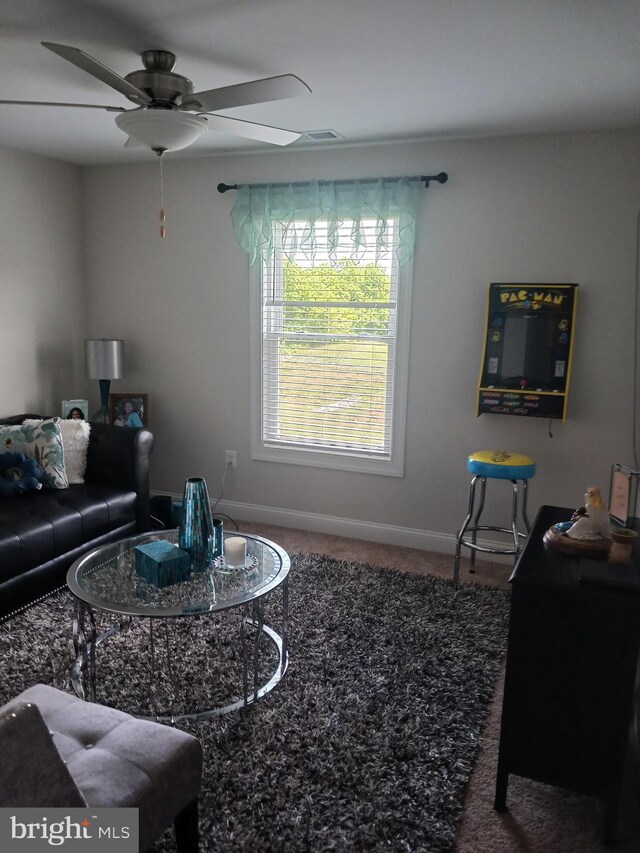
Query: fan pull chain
[(163, 230)]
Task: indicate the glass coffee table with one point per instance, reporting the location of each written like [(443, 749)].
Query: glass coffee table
[(105, 583)]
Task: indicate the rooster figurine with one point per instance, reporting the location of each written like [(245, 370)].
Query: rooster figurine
[(590, 521)]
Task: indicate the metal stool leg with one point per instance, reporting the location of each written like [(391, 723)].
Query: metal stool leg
[(474, 526), (465, 524), (525, 518), (514, 518)]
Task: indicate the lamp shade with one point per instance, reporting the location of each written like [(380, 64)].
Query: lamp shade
[(104, 358)]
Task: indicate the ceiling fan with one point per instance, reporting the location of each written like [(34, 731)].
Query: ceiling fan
[(169, 114)]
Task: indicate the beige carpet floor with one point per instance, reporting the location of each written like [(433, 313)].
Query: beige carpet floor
[(540, 819)]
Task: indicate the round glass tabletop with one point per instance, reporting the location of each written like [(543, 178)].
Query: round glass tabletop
[(106, 578)]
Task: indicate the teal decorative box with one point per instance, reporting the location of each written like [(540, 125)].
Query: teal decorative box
[(161, 563)]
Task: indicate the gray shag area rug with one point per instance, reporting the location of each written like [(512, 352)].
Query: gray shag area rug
[(368, 742)]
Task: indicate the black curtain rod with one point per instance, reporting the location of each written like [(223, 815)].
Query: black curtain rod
[(441, 178)]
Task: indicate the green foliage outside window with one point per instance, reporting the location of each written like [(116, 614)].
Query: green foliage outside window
[(333, 358), (347, 282)]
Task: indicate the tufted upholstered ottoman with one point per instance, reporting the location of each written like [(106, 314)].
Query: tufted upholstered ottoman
[(112, 759)]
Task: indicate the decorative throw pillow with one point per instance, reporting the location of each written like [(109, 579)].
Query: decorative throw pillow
[(18, 474), (75, 440), (41, 441)]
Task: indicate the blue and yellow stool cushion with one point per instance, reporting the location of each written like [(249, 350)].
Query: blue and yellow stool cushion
[(501, 465)]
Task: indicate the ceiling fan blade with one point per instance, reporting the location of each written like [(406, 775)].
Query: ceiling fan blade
[(65, 104), (251, 130), (97, 69), (242, 94)]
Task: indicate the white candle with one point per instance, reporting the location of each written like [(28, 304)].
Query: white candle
[(235, 551)]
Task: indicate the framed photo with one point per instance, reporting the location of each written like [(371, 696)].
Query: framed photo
[(129, 410), (75, 410), (623, 494)]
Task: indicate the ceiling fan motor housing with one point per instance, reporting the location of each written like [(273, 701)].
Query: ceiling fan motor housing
[(158, 79), (164, 87)]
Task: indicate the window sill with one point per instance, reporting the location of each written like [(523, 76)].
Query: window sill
[(339, 461)]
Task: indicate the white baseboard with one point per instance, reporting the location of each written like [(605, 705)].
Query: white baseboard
[(387, 534)]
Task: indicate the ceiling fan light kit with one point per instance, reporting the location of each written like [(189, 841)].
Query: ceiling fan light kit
[(163, 98), (162, 130)]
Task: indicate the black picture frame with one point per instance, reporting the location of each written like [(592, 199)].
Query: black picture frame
[(129, 410)]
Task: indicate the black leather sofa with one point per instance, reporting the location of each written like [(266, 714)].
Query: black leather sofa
[(43, 532)]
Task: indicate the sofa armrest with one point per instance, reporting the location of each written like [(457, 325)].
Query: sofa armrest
[(119, 457)]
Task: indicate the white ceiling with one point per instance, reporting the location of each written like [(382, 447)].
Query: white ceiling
[(379, 70)]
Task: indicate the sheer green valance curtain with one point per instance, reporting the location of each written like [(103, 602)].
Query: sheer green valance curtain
[(292, 217)]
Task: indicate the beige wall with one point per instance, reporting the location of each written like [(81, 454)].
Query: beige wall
[(42, 297), (548, 208), (544, 209)]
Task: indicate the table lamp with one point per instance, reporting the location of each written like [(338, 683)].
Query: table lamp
[(104, 362)]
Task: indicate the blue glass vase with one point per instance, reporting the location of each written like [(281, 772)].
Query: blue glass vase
[(196, 535)]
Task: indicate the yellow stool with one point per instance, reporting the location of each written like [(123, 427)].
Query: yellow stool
[(494, 465)]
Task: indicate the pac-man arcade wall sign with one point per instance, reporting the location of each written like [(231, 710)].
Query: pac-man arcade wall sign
[(528, 346)]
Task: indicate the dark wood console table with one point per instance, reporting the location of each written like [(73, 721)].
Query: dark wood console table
[(572, 659)]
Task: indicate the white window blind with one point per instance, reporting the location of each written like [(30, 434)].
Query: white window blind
[(329, 350)]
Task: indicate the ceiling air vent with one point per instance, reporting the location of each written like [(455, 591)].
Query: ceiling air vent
[(322, 135)]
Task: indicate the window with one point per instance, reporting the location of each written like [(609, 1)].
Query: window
[(331, 296), (330, 334)]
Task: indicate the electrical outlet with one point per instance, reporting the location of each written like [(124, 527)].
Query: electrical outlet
[(231, 458)]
